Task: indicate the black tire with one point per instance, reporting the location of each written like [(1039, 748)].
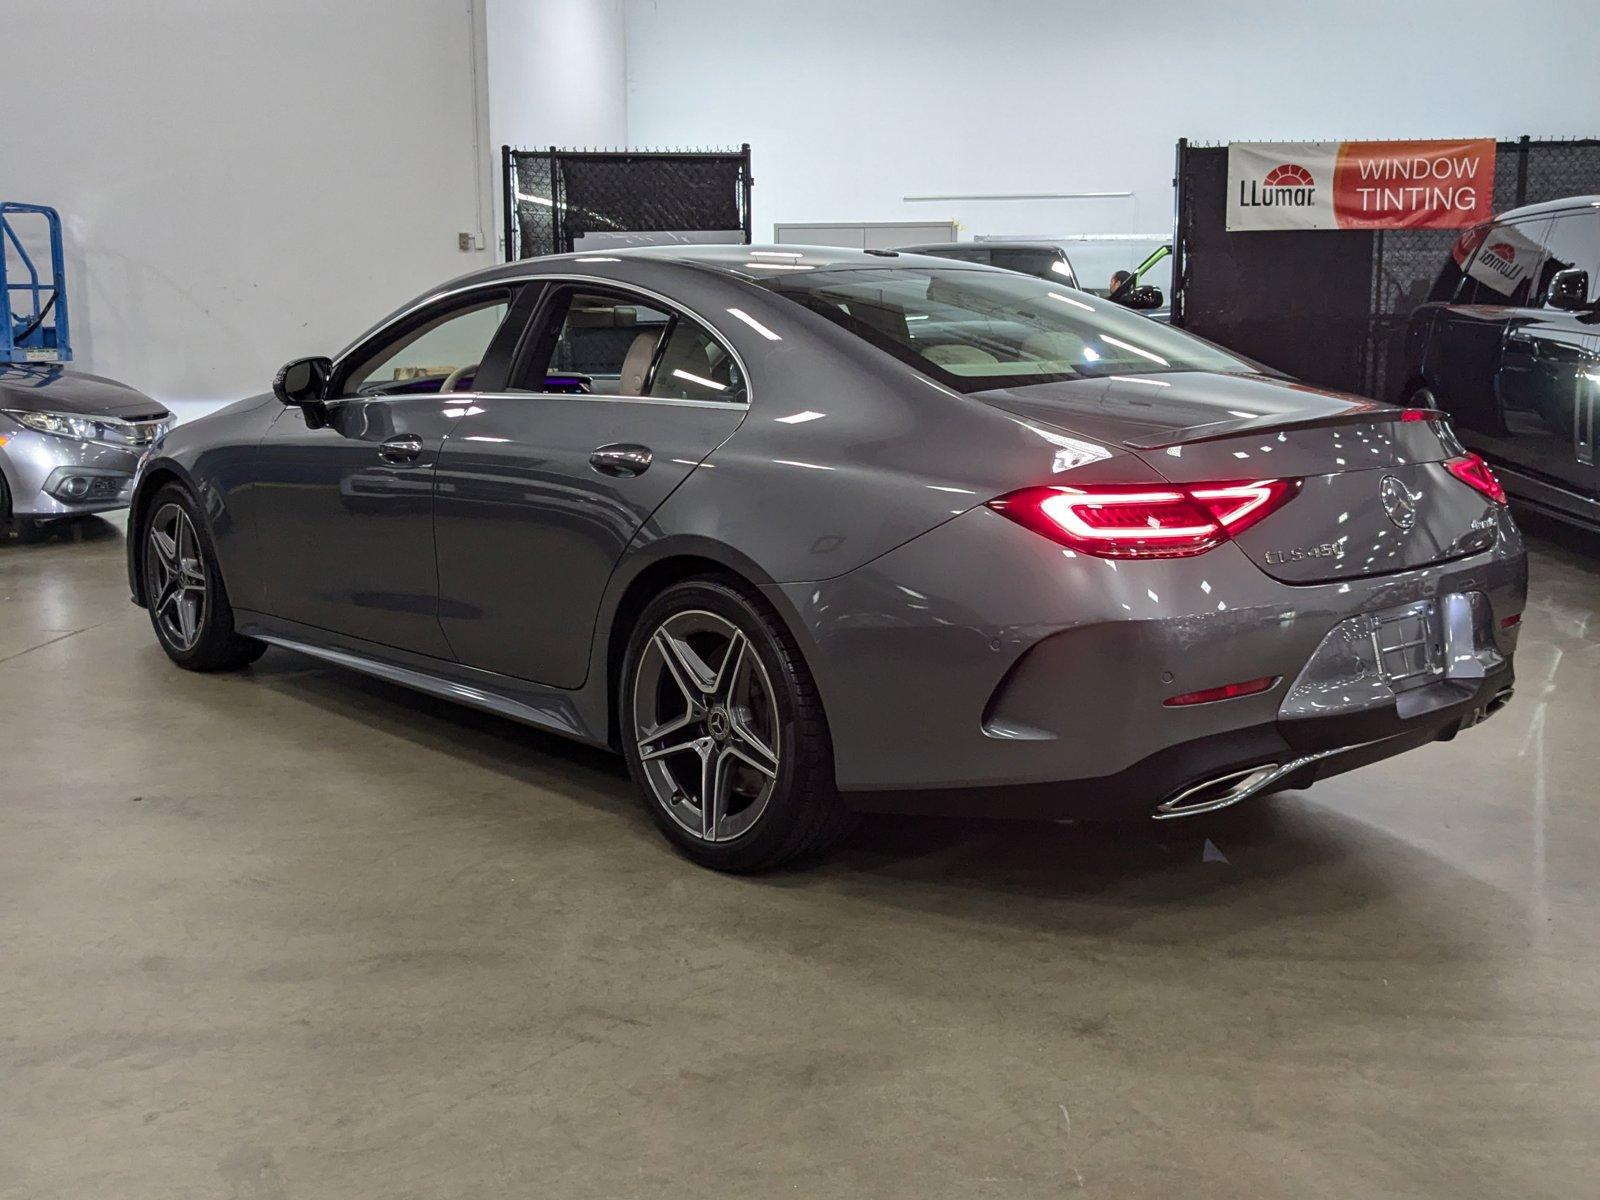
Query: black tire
[(215, 645), (802, 814)]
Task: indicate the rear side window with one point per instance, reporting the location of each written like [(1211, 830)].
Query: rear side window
[(609, 344), (1572, 240)]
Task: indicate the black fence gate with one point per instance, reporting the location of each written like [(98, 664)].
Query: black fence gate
[(1330, 306), (553, 197)]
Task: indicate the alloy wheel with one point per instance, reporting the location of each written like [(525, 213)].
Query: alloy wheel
[(175, 577), (706, 723)]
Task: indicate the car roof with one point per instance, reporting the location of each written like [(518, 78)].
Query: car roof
[(755, 262), (1550, 206)]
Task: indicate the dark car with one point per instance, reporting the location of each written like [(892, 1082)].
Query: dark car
[(802, 532), (1042, 260), (1509, 344), (1047, 260)]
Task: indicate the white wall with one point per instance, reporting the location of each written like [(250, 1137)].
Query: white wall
[(243, 181), (850, 105), (557, 72)]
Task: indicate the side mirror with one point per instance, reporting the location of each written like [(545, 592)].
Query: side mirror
[(1142, 297), (1568, 290), (303, 382)]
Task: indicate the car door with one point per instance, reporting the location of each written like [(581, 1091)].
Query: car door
[(345, 511), (1495, 268), (616, 397), (1548, 371)]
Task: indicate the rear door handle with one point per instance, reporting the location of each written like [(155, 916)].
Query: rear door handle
[(406, 448), (621, 458)]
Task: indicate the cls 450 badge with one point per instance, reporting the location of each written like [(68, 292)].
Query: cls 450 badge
[(1325, 550)]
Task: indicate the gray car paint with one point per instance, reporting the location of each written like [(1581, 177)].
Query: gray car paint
[(863, 523)]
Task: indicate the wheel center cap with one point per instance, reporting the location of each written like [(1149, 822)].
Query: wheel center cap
[(718, 724)]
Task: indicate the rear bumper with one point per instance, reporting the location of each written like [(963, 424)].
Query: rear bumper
[(981, 667), (1298, 752)]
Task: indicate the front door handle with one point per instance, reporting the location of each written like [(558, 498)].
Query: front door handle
[(406, 448), (621, 458)]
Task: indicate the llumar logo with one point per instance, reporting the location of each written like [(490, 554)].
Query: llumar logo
[(1288, 185), (1501, 258)]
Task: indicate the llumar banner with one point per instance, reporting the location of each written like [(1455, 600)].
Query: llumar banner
[(1359, 185)]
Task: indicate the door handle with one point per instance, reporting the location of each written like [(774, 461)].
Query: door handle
[(406, 448), (621, 458)]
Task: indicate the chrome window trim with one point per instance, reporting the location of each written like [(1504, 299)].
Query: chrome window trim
[(509, 281), (455, 397)]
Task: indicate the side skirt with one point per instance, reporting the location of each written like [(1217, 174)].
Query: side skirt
[(555, 710)]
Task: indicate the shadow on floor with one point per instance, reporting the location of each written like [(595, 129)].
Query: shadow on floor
[(65, 531), (1263, 854)]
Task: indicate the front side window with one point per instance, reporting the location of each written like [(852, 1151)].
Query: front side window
[(1573, 240), (440, 350), (604, 344), (983, 329)]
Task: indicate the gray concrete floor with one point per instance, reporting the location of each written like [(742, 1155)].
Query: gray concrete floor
[(293, 933)]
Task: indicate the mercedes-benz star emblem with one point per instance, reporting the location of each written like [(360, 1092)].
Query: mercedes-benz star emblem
[(1399, 501)]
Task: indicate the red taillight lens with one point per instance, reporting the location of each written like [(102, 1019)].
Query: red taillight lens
[(1157, 521), (1475, 473), (1228, 691)]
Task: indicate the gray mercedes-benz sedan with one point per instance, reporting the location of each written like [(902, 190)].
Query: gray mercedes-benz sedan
[(805, 532)]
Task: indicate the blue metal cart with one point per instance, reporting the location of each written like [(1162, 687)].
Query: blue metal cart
[(38, 331)]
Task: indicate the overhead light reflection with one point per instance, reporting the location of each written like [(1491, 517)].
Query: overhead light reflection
[(696, 379), (1132, 349), (799, 418), (741, 315), (1071, 301)]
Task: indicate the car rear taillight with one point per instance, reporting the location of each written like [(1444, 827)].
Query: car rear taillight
[(1475, 473), (1146, 520)]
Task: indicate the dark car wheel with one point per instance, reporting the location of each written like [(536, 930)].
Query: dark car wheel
[(183, 589), (724, 731)]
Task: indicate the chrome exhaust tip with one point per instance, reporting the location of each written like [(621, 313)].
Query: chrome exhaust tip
[(1218, 791), (1499, 701)]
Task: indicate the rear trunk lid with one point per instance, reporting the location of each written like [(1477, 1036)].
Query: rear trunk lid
[(1375, 497)]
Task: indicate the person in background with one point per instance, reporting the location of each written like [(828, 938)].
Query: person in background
[(1118, 278)]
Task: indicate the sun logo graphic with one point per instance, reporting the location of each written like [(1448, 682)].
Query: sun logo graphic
[(1500, 258), (1287, 185), (1290, 175)]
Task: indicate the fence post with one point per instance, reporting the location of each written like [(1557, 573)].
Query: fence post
[(749, 225), (1522, 170), (1177, 234), (557, 235), (508, 202)]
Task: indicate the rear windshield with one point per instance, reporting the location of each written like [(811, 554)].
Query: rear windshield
[(975, 329)]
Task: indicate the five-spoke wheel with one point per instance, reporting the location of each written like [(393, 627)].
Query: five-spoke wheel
[(706, 724), (183, 588), (724, 731), (175, 577)]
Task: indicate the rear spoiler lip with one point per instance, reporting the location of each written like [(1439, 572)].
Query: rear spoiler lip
[(1221, 430)]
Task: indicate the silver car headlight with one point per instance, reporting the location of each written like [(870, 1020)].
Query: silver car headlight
[(83, 429)]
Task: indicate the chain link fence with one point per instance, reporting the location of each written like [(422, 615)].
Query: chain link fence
[(554, 197), (1331, 306)]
